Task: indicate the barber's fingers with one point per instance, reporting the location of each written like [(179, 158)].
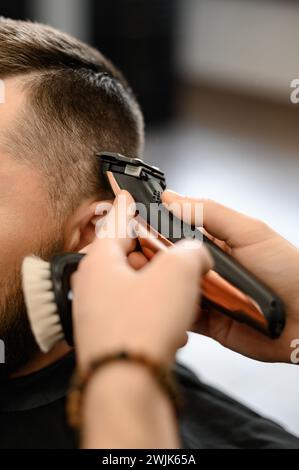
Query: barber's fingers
[(174, 276), (226, 224), (181, 266), (114, 237)]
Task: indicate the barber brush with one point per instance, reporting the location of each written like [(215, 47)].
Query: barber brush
[(48, 297)]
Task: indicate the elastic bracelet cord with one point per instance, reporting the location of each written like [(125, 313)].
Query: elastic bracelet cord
[(79, 382)]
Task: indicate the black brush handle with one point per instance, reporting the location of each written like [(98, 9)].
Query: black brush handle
[(62, 268)]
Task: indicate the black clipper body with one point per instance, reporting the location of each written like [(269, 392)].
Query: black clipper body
[(229, 288)]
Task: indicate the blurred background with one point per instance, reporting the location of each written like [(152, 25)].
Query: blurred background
[(214, 80)]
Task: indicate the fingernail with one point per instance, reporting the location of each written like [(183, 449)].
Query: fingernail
[(173, 193)]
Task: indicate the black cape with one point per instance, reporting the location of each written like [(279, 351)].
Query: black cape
[(32, 415)]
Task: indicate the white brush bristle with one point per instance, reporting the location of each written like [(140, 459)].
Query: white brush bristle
[(40, 302)]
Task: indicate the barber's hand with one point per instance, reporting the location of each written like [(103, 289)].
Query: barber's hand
[(149, 310), (267, 255)]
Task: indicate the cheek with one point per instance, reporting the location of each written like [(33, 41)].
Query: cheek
[(25, 221), (21, 233)]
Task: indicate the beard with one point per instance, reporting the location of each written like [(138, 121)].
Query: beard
[(15, 331)]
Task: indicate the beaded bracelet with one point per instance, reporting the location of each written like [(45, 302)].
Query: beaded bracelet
[(79, 382)]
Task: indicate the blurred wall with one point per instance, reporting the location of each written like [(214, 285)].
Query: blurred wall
[(71, 16), (14, 9), (139, 36), (251, 45)]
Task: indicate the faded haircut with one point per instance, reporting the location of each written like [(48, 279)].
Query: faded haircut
[(77, 103)]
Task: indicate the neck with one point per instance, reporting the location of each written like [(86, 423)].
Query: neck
[(40, 361)]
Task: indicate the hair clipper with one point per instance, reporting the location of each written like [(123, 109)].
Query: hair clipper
[(229, 287)]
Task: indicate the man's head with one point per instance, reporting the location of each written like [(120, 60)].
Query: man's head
[(63, 103)]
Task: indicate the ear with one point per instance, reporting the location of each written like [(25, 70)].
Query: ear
[(80, 226)]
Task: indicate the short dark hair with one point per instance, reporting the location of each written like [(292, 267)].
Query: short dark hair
[(77, 103)]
